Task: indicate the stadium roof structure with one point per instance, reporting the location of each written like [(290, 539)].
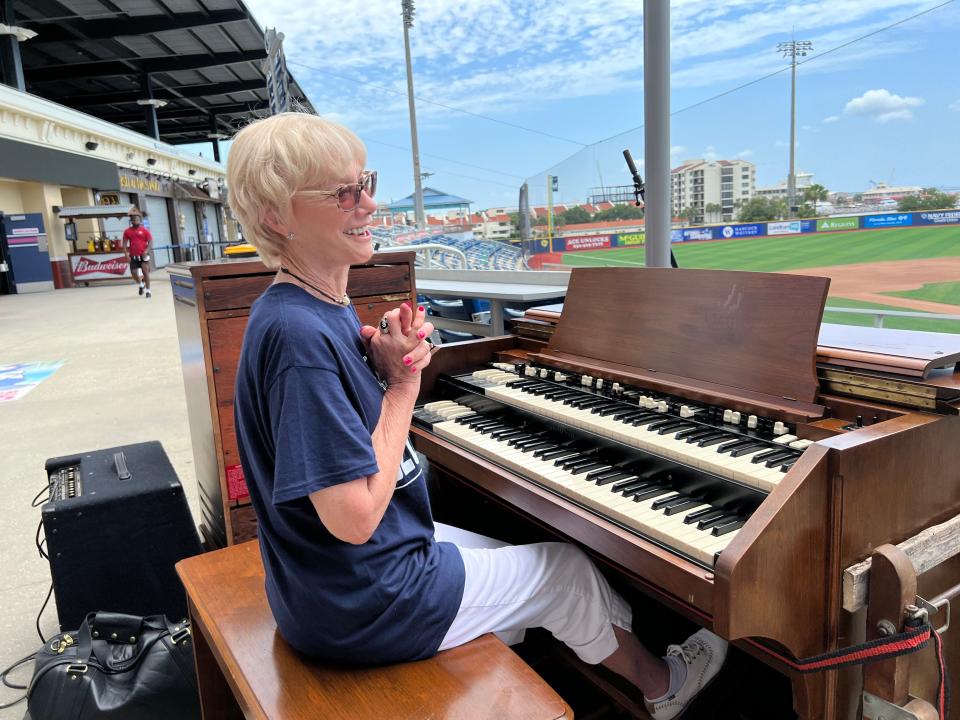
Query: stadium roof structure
[(197, 62), (432, 199)]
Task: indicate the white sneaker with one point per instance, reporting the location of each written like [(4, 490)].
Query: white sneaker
[(703, 653), (149, 294)]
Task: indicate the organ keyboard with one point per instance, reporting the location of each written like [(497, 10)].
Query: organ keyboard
[(686, 443)]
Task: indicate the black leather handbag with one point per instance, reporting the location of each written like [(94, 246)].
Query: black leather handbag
[(116, 666)]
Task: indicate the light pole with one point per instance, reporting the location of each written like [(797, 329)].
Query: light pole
[(415, 145), (793, 50)]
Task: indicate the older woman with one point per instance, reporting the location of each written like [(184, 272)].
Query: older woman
[(356, 570)]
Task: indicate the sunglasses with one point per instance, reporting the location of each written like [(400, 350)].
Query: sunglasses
[(348, 196)]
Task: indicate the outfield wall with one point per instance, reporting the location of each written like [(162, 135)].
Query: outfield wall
[(603, 241)]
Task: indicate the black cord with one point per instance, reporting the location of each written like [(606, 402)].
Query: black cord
[(42, 608), (3, 677)]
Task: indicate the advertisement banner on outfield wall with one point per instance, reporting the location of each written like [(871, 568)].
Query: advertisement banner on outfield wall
[(703, 233), (889, 220), (944, 217), (588, 242), (838, 223), (790, 227), (627, 239), (737, 231), (676, 236)]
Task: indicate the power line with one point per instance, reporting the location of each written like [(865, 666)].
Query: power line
[(764, 77), (382, 88)]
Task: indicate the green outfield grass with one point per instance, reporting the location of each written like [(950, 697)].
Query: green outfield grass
[(896, 323), (791, 252), (947, 292)]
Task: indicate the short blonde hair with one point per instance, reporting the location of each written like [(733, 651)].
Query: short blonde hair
[(271, 159)]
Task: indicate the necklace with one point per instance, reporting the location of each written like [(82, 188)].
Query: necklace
[(340, 301)]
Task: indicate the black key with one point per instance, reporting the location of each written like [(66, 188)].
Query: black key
[(607, 478), (673, 427), (665, 421), (721, 520), (747, 449), (593, 402), (524, 443), (657, 504), (788, 464), (507, 434), (645, 421), (606, 408), (713, 433), (561, 393), (573, 464), (679, 507), (778, 459), (601, 474), (490, 429), (734, 444), (551, 454), (634, 484), (713, 440), (727, 527), (629, 414), (705, 514), (763, 457), (525, 383), (536, 447), (464, 419), (615, 407), (553, 446), (483, 423), (593, 466), (692, 432), (651, 493)]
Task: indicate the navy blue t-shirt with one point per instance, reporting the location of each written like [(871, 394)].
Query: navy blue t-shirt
[(306, 405)]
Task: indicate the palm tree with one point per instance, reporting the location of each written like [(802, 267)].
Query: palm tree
[(713, 210), (815, 194)]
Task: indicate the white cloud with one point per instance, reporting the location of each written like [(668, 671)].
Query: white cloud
[(832, 119), (678, 149), (710, 154), (745, 153), (883, 106), (955, 105)]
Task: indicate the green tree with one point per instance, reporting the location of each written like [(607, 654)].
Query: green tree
[(806, 210), (815, 194), (627, 211), (760, 208), (575, 215), (927, 199), (713, 211)]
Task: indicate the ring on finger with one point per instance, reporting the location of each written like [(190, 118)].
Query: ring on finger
[(384, 326)]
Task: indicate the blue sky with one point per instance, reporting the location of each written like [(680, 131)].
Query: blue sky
[(886, 108)]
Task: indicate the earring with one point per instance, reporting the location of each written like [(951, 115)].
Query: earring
[(289, 236)]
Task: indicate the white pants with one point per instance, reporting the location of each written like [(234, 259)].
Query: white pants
[(510, 588)]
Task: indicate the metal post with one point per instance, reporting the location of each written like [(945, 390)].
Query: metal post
[(792, 176), (550, 210), (656, 132), (214, 140), (414, 144), (793, 49), (11, 67), (149, 108)]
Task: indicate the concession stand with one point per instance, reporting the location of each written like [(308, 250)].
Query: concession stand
[(96, 256)]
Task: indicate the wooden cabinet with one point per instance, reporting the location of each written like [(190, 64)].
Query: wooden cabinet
[(212, 302)]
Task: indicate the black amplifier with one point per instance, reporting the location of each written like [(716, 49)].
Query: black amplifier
[(116, 523)]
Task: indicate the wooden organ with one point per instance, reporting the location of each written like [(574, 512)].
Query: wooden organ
[(677, 425)]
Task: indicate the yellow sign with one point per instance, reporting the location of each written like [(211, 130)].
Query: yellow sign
[(110, 198), (128, 182), (632, 239)]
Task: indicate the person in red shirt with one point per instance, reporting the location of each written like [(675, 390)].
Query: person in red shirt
[(136, 246)]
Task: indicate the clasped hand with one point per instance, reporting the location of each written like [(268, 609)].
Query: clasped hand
[(401, 351)]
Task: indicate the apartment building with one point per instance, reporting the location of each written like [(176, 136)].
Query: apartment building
[(699, 183)]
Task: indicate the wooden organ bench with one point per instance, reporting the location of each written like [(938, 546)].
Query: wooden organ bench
[(246, 670)]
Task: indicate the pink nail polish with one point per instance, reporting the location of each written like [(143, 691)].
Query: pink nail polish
[(421, 309), (421, 334), (407, 360), (408, 305), (413, 369)]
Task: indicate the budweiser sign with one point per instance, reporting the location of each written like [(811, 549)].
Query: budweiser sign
[(104, 266)]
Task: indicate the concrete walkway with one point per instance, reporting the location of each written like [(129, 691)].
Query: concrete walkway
[(120, 383)]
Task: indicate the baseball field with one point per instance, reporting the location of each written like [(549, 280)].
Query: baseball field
[(915, 270)]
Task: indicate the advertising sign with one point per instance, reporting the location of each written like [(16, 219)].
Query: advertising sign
[(838, 223), (943, 217), (736, 231), (790, 227), (891, 220), (697, 234), (98, 266), (589, 242), (631, 239), (20, 378), (676, 236)]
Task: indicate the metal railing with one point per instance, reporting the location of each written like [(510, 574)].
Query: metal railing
[(164, 255), (429, 254), (879, 315)]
